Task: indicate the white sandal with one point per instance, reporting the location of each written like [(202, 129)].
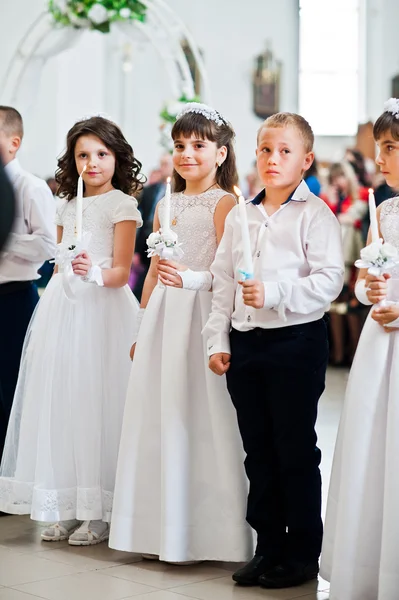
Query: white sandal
[(87, 535), (59, 531)]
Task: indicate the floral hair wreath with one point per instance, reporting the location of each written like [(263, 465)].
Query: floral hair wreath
[(392, 106), (203, 109)]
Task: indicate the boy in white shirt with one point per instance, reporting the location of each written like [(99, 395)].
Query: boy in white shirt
[(31, 242), (269, 336)]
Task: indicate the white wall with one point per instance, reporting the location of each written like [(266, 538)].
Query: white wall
[(382, 53), (89, 78)]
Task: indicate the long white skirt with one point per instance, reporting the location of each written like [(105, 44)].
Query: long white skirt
[(63, 437), (361, 542), (180, 488)]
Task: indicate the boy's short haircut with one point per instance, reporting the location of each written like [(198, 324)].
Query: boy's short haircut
[(284, 119), (11, 121)]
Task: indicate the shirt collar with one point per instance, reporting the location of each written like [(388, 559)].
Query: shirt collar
[(12, 169), (300, 194)]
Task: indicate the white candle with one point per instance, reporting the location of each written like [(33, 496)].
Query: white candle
[(166, 206), (79, 207), (373, 217), (246, 240)]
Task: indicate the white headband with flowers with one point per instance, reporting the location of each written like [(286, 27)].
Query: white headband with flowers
[(203, 109), (392, 106)]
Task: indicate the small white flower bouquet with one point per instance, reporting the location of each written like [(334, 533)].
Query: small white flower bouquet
[(378, 257), (164, 244)]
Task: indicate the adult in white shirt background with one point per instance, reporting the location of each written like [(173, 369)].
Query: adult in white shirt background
[(31, 242)]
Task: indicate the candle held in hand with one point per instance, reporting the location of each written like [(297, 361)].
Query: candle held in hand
[(373, 217), (246, 240), (79, 207), (166, 216)]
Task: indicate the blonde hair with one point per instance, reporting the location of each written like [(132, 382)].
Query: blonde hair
[(285, 119), (345, 169)]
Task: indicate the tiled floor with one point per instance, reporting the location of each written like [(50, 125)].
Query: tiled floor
[(31, 569)]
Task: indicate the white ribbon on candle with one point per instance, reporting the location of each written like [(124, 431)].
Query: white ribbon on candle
[(248, 271), (64, 256), (79, 207)]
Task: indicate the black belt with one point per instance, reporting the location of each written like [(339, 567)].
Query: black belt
[(14, 286)]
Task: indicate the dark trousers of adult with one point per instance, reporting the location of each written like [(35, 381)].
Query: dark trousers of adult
[(17, 303), (275, 381)]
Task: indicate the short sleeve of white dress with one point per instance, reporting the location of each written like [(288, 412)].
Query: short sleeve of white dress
[(59, 211), (125, 209)]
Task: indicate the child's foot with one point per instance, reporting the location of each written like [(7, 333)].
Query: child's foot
[(60, 531), (90, 533)]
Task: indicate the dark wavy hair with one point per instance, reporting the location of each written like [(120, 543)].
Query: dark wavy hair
[(205, 129), (127, 176)]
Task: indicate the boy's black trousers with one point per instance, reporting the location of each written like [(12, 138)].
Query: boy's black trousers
[(275, 381)]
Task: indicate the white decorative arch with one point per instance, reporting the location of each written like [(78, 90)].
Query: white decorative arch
[(45, 39)]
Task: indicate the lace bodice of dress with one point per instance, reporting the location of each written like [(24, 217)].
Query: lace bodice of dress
[(389, 224), (100, 215), (192, 220)]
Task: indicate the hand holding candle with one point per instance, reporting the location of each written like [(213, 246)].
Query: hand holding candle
[(166, 216), (246, 240), (373, 217), (79, 207)]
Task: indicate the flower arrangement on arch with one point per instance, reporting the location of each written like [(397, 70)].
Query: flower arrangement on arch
[(95, 14)]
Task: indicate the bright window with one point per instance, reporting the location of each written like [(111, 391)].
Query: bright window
[(329, 77)]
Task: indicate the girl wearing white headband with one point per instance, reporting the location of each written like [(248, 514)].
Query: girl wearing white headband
[(181, 488), (361, 541)]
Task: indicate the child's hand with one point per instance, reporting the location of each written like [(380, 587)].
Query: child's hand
[(377, 287), (81, 264), (167, 272), (253, 292), (132, 351), (386, 314), (219, 363)]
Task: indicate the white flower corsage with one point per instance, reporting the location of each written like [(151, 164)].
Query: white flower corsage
[(378, 257), (164, 244), (64, 256)]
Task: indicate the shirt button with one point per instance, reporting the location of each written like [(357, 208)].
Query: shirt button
[(249, 318), (258, 254), (266, 224)]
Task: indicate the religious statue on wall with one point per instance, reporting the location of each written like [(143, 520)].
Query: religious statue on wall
[(266, 85)]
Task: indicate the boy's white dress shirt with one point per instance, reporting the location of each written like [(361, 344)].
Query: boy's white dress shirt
[(33, 237), (297, 254)]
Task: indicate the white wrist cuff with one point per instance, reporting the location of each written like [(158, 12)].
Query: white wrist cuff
[(394, 324), (196, 280), (94, 276), (361, 292)]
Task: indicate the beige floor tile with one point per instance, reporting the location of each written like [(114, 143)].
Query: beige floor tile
[(17, 569), (86, 586), (225, 589), (161, 595), (314, 596), (163, 576), (90, 558), (9, 594)]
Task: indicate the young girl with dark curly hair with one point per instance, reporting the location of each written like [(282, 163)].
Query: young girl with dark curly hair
[(59, 461)]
